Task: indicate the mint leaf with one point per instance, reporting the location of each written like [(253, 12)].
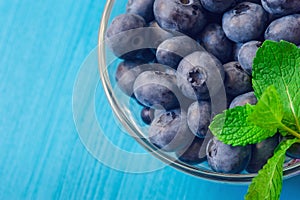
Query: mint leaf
[(232, 127), (268, 112), (267, 184), (278, 64)]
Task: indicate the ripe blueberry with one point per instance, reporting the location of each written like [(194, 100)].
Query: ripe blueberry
[(237, 81), (157, 90), (171, 51), (217, 6), (169, 132), (246, 55), (186, 16), (215, 42), (245, 22), (200, 75), (144, 8), (243, 99), (261, 152), (285, 28), (199, 117), (280, 7), (126, 39), (195, 153), (226, 158)]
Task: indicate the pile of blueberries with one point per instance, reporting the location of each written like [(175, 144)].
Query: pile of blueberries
[(185, 61)]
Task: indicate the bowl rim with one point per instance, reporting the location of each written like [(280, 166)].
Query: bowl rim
[(132, 129)]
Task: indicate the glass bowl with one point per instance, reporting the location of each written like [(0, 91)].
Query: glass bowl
[(127, 111)]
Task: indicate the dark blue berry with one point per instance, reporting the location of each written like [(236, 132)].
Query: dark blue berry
[(200, 75), (261, 152), (246, 21), (215, 41), (169, 132), (199, 117), (124, 22), (226, 158), (285, 28), (147, 115), (157, 90), (126, 74), (294, 151), (126, 38), (144, 8), (185, 16), (195, 153), (246, 55), (237, 81), (253, 1), (171, 51), (217, 6), (243, 99), (157, 35), (281, 7)]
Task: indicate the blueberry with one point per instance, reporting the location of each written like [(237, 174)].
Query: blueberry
[(171, 51), (235, 50), (127, 72), (243, 99), (126, 38), (169, 131), (217, 6), (237, 81), (253, 1), (199, 117), (195, 153), (285, 28), (144, 8), (157, 90), (185, 16), (125, 22), (226, 158), (294, 151), (246, 55), (261, 152), (215, 41), (157, 35), (280, 7), (200, 75), (246, 21), (147, 115)]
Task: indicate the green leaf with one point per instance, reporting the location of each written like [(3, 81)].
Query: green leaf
[(268, 112), (232, 127), (267, 184), (278, 64)]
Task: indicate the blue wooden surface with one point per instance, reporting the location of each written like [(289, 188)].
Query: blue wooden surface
[(43, 45)]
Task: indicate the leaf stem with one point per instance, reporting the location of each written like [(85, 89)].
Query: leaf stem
[(292, 106), (291, 131)]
